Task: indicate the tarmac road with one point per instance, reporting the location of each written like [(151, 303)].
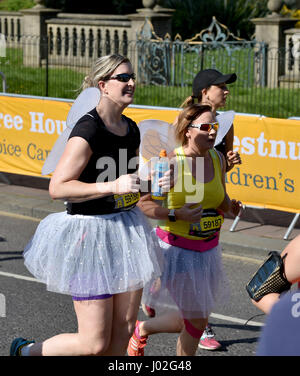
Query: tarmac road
[(33, 312)]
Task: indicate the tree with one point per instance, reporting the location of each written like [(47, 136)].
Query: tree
[(14, 5), (76, 6), (192, 16), (100, 7)]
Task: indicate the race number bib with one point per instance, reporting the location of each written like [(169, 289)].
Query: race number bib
[(211, 222), (126, 201)]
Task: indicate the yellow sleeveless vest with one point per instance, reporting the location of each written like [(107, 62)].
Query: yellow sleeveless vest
[(210, 195)]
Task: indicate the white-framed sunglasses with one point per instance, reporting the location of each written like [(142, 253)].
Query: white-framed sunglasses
[(207, 127)]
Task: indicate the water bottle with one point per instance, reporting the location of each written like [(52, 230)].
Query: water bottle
[(161, 165)]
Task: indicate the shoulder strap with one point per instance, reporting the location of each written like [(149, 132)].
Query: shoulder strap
[(180, 156), (90, 115), (129, 120)]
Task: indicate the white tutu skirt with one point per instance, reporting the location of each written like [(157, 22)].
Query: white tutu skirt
[(192, 282), (86, 256)]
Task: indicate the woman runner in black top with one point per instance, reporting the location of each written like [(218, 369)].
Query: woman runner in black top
[(101, 251)]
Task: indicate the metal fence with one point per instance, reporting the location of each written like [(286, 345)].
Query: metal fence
[(165, 69)]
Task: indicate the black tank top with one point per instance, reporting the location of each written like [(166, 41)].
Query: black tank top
[(120, 149)]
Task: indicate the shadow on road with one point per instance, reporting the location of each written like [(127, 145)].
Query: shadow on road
[(20, 253)]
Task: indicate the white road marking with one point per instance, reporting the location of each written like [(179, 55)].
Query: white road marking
[(253, 260), (214, 315), (235, 319), (18, 276), (19, 216)]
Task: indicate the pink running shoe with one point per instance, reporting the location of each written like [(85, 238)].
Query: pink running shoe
[(207, 341), (148, 311)]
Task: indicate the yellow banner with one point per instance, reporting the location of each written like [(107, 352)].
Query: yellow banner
[(270, 149), (269, 175), (29, 128)]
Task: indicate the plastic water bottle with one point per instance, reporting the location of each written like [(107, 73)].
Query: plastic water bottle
[(161, 165)]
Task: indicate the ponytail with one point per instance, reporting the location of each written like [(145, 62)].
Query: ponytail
[(191, 100), (187, 102), (87, 82)]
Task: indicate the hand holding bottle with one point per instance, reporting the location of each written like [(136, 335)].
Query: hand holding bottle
[(160, 176)]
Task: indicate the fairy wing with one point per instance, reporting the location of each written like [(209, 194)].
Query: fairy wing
[(155, 136), (85, 102), (225, 120), (56, 152)]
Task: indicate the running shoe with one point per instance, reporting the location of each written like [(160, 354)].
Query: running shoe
[(148, 311), (136, 343), (17, 345), (207, 341)]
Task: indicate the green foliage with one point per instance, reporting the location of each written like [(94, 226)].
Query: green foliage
[(126, 7), (65, 82), (92, 6), (78, 6), (277, 103), (15, 5), (190, 16), (235, 14)]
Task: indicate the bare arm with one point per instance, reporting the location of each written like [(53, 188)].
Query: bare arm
[(152, 209), (232, 157), (228, 205), (229, 139), (64, 184), (225, 205)]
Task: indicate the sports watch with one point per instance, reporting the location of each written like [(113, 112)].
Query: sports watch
[(171, 215)]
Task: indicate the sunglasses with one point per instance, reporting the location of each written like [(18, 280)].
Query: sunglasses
[(123, 77), (207, 127)]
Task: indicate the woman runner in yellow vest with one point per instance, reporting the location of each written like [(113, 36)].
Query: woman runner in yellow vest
[(190, 218)]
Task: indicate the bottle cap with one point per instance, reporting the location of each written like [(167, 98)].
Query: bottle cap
[(163, 153)]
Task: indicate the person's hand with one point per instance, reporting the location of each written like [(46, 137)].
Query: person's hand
[(236, 207), (233, 158), (167, 181), (126, 184), (188, 213)]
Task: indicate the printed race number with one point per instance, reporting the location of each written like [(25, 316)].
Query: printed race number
[(211, 222), (126, 201)]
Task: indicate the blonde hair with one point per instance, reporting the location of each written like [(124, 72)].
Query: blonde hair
[(186, 117), (187, 102), (191, 100), (102, 69)]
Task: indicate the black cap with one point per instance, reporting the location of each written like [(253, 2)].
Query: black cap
[(208, 77)]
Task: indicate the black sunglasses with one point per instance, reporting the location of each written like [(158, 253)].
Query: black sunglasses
[(123, 77)]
